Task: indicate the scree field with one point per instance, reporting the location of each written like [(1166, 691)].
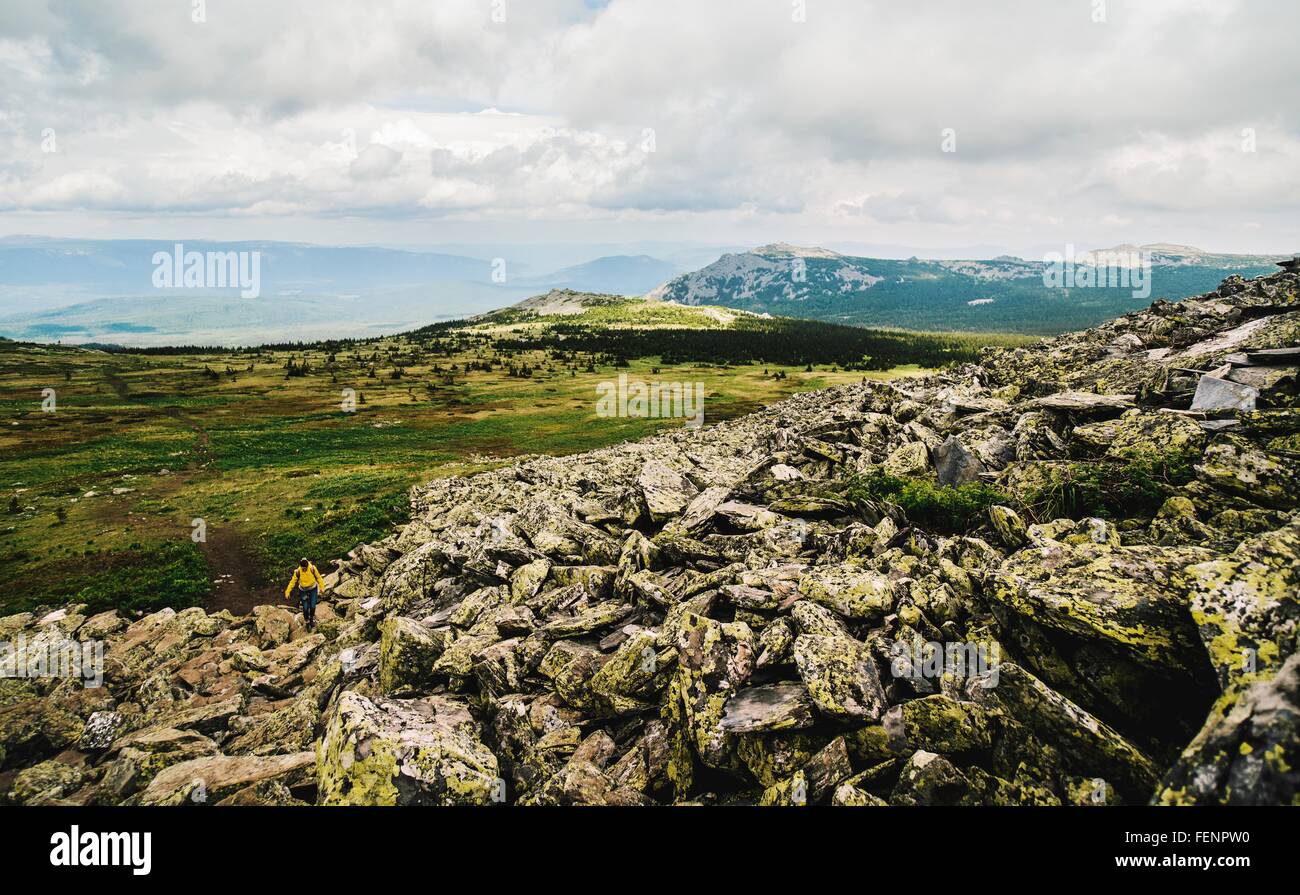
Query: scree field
[(198, 477)]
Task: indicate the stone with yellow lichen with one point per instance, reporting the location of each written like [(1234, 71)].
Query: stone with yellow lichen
[(841, 676), (407, 651), (404, 752), (1134, 598), (1248, 752), (1247, 605), (851, 591), (714, 661)]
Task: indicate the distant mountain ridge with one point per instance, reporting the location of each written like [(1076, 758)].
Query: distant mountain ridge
[(613, 275), (85, 290), (998, 294)]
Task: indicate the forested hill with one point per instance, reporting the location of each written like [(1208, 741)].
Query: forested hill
[(565, 321)]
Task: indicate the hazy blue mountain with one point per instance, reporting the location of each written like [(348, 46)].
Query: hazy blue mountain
[(1001, 294), (613, 275), (103, 290)]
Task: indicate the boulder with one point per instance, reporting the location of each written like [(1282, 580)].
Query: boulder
[(1248, 752), (954, 464), (1133, 598), (849, 590), (667, 491), (714, 661), (841, 676), (911, 459), (208, 780), (407, 653), (404, 752), (1247, 605)]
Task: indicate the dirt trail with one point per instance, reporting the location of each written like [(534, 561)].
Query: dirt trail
[(237, 580), (203, 455)]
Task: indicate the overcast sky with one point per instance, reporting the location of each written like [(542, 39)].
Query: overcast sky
[(426, 121)]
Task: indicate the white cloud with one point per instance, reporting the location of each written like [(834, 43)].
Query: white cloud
[(401, 109)]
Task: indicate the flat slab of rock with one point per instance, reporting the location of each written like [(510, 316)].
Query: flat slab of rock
[(1094, 748), (1129, 597), (1084, 402), (1215, 394), (781, 706), (209, 779)]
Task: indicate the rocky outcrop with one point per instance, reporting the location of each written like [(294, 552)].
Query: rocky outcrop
[(1065, 575)]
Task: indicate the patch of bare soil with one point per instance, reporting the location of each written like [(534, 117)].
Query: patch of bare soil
[(237, 581)]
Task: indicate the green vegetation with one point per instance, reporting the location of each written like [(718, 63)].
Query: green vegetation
[(1106, 489), (943, 510), (101, 496), (614, 327)]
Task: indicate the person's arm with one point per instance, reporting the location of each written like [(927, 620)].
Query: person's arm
[(292, 581), (320, 582)]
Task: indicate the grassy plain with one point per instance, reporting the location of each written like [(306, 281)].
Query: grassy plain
[(101, 495)]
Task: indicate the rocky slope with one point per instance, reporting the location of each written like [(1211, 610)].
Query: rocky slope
[(861, 596)]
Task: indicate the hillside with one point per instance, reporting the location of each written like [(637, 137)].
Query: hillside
[(618, 326), (1066, 574), (103, 489), (1001, 294)]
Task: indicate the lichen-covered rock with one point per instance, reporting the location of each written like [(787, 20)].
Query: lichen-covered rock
[(101, 729), (274, 624), (46, 782), (1009, 526), (1243, 468), (939, 723), (667, 491), (1090, 746), (35, 728), (714, 660), (404, 752), (841, 676), (1248, 753), (407, 652), (1247, 605), (911, 459), (1144, 435), (851, 591), (205, 781), (1134, 598)]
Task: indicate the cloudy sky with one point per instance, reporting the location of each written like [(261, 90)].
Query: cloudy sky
[(726, 121)]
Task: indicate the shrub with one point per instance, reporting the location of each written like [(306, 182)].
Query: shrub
[(944, 510), (1107, 490)]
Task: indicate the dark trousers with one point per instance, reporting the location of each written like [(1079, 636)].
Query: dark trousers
[(307, 597)]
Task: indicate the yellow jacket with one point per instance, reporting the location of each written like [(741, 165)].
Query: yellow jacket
[(305, 578)]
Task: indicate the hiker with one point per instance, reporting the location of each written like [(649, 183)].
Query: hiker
[(307, 584)]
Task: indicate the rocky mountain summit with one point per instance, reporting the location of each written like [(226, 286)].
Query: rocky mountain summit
[(1067, 575)]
